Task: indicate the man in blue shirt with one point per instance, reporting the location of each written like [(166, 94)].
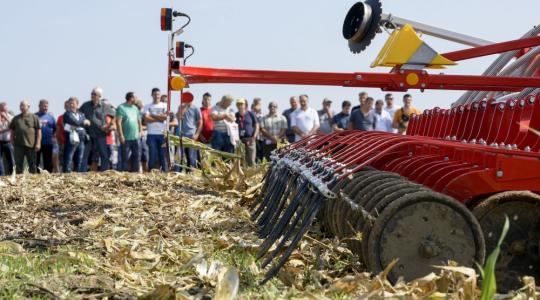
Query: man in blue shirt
[(287, 114), (48, 129), (248, 128), (364, 118), (190, 123), (341, 120)]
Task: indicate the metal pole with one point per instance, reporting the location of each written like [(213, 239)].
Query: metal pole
[(389, 19)]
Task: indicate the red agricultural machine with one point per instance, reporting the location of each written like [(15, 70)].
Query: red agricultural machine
[(442, 191)]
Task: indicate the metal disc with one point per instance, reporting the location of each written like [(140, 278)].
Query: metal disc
[(422, 230), (520, 253), (362, 24), (378, 204)]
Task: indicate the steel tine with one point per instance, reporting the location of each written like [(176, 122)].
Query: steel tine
[(283, 222), (273, 219), (267, 197), (273, 204), (304, 227)]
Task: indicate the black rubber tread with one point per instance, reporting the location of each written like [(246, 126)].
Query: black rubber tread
[(374, 241), (492, 221), (384, 199)]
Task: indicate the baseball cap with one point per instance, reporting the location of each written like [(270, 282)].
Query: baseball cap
[(326, 100), (241, 101)]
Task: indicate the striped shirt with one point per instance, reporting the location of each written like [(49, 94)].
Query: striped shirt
[(273, 125)]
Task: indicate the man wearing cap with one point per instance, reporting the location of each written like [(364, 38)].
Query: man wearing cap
[(305, 120), (248, 128), (221, 114), (325, 117), (190, 124), (341, 120)]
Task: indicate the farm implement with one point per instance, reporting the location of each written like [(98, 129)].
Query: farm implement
[(440, 192)]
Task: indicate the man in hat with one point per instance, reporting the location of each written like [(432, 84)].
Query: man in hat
[(325, 116), (248, 128)]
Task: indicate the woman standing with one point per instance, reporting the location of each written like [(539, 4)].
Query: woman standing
[(74, 136)]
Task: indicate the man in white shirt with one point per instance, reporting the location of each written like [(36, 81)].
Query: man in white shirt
[(305, 120), (383, 121), (155, 115), (391, 107)]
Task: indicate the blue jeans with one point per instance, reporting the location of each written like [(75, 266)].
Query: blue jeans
[(222, 142), (131, 153), (6, 151), (191, 158), (157, 151), (73, 153), (96, 147)]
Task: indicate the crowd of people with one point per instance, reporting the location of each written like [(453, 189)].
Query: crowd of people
[(97, 135)]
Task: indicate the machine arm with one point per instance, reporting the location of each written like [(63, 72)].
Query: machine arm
[(399, 80)]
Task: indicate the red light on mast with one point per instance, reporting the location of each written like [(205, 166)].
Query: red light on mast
[(166, 19)]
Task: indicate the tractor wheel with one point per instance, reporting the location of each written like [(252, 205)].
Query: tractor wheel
[(520, 250), (422, 230)]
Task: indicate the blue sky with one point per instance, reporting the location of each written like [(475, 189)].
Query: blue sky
[(57, 49)]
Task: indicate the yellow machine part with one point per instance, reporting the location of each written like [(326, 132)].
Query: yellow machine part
[(403, 45)]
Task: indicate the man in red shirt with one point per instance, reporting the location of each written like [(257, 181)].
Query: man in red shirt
[(208, 123)]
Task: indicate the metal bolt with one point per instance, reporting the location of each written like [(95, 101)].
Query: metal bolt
[(358, 77), (401, 84), (527, 149), (499, 174)]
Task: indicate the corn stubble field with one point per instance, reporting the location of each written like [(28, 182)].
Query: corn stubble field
[(175, 236)]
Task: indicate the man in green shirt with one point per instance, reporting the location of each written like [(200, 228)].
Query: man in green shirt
[(129, 127), (26, 138)]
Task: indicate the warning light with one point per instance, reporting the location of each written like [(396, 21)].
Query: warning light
[(179, 49), (166, 19), (178, 83)]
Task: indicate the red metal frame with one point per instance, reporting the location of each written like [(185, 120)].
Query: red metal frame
[(432, 153)]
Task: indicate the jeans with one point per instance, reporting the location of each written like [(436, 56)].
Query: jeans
[(157, 152), (6, 152), (47, 152), (73, 154), (22, 152), (191, 156), (222, 142), (96, 148), (131, 156)]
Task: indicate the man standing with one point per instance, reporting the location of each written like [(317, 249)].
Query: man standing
[(207, 122), (221, 114), (390, 106), (364, 118), (25, 137), (341, 120), (383, 121), (325, 116), (155, 116), (273, 128), (402, 115), (129, 128), (305, 120), (362, 96), (190, 122), (256, 108), (287, 114), (48, 128), (248, 128), (96, 111), (6, 149)]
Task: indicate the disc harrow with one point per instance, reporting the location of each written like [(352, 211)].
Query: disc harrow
[(424, 198)]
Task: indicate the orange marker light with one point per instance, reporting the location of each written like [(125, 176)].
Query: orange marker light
[(178, 83)]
